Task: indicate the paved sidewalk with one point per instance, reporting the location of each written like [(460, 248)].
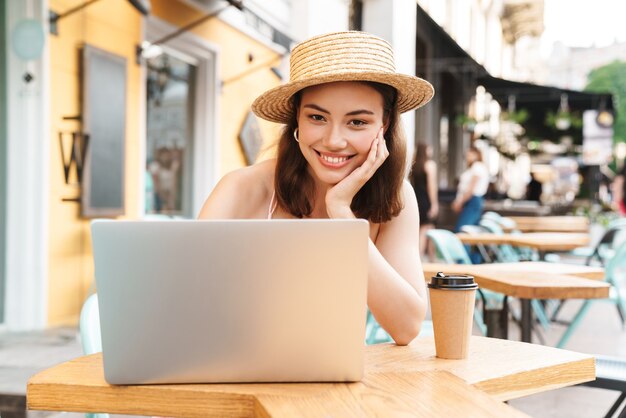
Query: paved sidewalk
[(23, 354)]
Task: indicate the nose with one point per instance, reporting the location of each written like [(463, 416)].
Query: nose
[(334, 138)]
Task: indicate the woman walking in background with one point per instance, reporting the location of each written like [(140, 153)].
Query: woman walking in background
[(473, 185), (424, 180)]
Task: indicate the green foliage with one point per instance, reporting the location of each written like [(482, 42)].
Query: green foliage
[(575, 120), (464, 120), (612, 78), (519, 116)]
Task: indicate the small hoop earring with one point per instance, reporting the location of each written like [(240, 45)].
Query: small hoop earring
[(295, 135)]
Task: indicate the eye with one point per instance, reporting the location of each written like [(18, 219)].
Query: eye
[(317, 118), (357, 122)]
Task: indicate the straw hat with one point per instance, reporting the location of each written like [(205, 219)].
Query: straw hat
[(341, 56)]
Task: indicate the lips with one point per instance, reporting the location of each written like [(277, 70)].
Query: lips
[(333, 160)]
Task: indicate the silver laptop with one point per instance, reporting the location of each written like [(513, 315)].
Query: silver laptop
[(231, 300)]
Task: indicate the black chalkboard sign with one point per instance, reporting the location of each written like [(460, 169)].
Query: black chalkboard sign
[(104, 120)]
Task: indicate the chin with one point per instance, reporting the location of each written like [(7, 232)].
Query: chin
[(330, 179)]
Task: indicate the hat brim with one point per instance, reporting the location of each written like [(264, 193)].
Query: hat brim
[(276, 104)]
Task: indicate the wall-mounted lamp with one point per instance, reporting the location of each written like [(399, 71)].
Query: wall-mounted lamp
[(142, 6), (147, 49)]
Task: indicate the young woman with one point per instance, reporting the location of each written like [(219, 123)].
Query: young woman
[(424, 181), (342, 155)]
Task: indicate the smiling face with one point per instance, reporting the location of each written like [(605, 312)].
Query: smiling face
[(337, 123)]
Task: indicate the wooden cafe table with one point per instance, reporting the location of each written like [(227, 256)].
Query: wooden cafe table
[(551, 223), (540, 241), (530, 280), (399, 381)]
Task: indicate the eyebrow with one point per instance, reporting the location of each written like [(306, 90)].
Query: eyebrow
[(353, 113)]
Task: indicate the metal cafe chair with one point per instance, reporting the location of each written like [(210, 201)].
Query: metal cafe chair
[(487, 252), (452, 250), (505, 253), (611, 374), (615, 275), (605, 247), (603, 251), (504, 222)]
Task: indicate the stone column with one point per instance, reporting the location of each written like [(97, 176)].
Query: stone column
[(395, 20)]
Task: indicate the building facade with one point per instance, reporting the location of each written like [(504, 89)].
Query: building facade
[(183, 115)]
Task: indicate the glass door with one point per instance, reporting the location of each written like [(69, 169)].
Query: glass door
[(171, 82)]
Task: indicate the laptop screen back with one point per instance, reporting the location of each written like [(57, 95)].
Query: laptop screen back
[(231, 300)]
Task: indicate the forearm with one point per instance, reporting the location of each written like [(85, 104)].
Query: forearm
[(433, 192), (397, 306), (462, 198)]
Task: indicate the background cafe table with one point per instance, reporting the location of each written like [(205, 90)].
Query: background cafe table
[(540, 241), (399, 381), (551, 223), (530, 280)]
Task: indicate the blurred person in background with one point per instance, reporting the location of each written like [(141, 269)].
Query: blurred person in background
[(423, 177), (473, 186), (534, 189), (618, 190)]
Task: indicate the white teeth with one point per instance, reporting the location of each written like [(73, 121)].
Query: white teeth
[(334, 160)]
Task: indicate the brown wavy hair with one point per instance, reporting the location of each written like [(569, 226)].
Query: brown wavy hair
[(379, 200)]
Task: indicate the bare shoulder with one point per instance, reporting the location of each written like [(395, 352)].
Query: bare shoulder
[(242, 193)]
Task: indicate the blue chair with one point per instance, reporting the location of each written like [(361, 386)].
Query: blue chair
[(502, 220), (496, 223), (449, 246), (90, 337), (505, 253), (453, 251), (508, 254), (615, 275), (487, 252), (605, 248)]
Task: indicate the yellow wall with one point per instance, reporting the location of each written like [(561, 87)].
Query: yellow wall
[(115, 26)]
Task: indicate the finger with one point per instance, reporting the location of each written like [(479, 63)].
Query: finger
[(383, 148)]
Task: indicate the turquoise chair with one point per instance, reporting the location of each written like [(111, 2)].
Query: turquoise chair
[(507, 254), (90, 338), (487, 252), (605, 247), (449, 246), (615, 275), (502, 220), (604, 250), (453, 251)]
